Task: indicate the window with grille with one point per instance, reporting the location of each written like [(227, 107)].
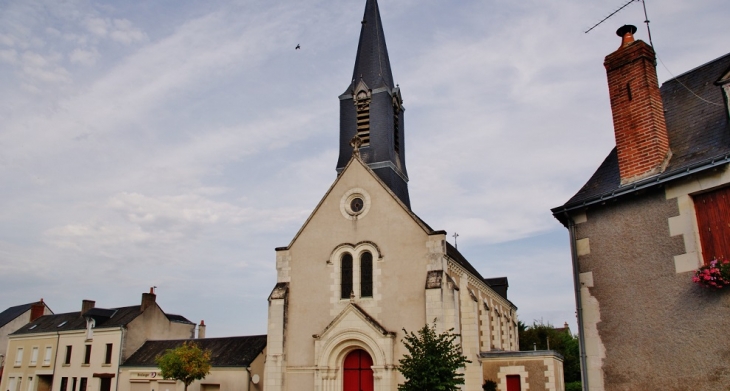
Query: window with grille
[(366, 275), (346, 276), (713, 221)]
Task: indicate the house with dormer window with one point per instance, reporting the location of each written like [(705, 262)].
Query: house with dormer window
[(82, 351)]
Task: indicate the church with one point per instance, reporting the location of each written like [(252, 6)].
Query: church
[(364, 267)]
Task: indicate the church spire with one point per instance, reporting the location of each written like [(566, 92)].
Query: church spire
[(372, 64), (372, 109)]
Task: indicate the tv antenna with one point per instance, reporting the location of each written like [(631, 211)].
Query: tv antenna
[(646, 18)]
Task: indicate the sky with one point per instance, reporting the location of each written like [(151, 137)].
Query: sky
[(175, 144)]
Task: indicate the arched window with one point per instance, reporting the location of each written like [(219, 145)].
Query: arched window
[(346, 276), (366, 275)]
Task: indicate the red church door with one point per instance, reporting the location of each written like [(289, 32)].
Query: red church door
[(513, 383), (358, 372)]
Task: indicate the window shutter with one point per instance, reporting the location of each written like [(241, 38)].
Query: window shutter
[(713, 221)]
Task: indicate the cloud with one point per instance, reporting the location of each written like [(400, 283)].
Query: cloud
[(43, 68), (84, 57), (9, 56), (97, 26), (124, 32)]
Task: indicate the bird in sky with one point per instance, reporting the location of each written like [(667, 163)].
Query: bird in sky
[(298, 47)]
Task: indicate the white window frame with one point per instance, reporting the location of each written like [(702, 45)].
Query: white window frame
[(47, 357), (30, 383), (19, 358), (34, 355)]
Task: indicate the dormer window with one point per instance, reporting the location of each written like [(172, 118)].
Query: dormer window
[(90, 324)]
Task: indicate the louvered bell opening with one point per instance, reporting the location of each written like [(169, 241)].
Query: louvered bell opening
[(363, 124)]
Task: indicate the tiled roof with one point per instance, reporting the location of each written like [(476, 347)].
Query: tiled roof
[(372, 62), (699, 132), (13, 312), (74, 321), (452, 252), (178, 318), (499, 285), (225, 352)]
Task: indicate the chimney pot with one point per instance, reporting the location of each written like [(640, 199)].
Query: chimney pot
[(201, 330), (626, 32)]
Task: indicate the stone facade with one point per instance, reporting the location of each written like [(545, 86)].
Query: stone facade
[(415, 282)]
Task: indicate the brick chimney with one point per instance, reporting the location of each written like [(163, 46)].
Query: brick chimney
[(87, 305), (642, 142), (37, 310), (148, 299), (201, 330)]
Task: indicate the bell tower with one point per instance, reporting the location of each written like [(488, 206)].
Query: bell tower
[(372, 109)]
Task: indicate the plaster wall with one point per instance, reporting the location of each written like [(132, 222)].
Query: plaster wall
[(77, 339), (26, 369), (13, 326), (401, 263), (153, 324), (219, 378), (646, 325)]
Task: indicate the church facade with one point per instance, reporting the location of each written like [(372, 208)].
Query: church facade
[(363, 268)]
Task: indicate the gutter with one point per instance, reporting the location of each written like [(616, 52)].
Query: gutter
[(578, 303), (119, 363), (644, 184)]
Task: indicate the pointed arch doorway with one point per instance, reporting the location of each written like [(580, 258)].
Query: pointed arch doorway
[(358, 372)]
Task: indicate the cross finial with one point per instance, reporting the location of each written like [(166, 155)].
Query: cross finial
[(455, 235)]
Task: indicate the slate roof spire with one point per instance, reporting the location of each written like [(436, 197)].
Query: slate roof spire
[(372, 64), (372, 109)]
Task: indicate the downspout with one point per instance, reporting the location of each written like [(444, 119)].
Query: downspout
[(248, 383), (578, 302), (119, 362)]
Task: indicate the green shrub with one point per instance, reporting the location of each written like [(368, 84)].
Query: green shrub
[(573, 386), (489, 385)]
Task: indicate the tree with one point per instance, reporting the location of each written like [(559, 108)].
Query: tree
[(186, 363), (562, 341), (432, 361)]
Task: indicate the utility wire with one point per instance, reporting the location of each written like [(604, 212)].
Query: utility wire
[(612, 14), (685, 87)]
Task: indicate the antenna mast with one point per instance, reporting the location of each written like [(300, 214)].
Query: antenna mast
[(646, 20)]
